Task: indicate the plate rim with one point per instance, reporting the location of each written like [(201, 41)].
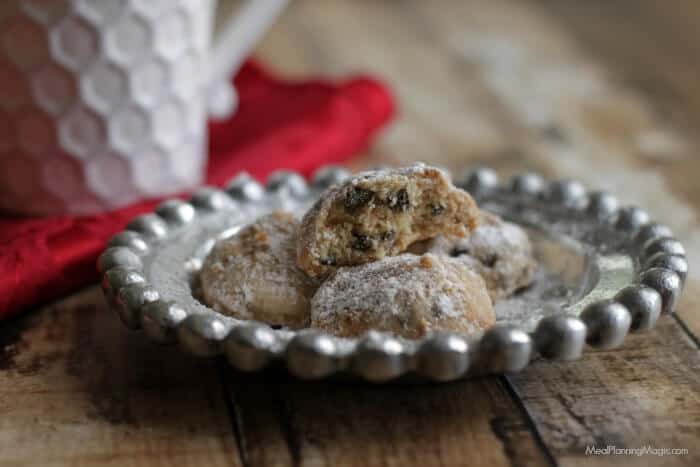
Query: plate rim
[(659, 262)]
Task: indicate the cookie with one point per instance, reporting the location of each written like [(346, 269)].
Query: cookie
[(380, 213), (499, 251), (406, 295), (253, 274)]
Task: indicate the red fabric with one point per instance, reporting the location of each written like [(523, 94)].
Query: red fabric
[(278, 125)]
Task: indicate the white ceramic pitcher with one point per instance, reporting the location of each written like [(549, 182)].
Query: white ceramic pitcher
[(104, 102)]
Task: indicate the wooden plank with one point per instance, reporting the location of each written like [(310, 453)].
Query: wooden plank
[(441, 117), (286, 422), (77, 388), (644, 394)]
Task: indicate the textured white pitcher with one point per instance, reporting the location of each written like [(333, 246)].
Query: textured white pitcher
[(104, 102)]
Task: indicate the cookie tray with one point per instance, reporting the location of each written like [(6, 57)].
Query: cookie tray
[(605, 270)]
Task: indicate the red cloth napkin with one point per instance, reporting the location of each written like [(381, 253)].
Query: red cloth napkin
[(278, 125)]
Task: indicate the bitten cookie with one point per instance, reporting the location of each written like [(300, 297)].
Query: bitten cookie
[(253, 274), (378, 214), (406, 295), (499, 251)]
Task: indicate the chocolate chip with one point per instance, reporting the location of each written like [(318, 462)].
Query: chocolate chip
[(388, 235), (329, 261), (489, 261), (398, 201), (459, 251), (436, 209), (357, 197), (361, 242)]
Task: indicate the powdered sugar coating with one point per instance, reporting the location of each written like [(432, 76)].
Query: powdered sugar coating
[(379, 213), (253, 274), (406, 295), (499, 251)]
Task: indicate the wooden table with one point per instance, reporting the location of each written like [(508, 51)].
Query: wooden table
[(604, 91)]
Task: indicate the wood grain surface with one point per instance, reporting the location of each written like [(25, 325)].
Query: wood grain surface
[(606, 92), (77, 388), (342, 424), (646, 393)]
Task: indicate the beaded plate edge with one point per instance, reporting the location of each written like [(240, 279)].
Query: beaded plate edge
[(660, 272)]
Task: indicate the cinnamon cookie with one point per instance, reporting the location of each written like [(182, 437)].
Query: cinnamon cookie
[(406, 295), (378, 214), (253, 274), (499, 251)]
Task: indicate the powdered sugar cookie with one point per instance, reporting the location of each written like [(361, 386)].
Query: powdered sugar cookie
[(499, 251), (253, 274), (377, 214), (406, 295)]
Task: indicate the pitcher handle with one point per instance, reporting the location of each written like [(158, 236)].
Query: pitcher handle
[(239, 34)]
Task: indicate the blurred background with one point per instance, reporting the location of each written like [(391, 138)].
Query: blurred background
[(604, 91)]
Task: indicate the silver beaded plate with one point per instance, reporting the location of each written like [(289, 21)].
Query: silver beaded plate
[(604, 270)]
